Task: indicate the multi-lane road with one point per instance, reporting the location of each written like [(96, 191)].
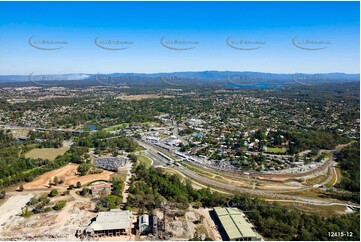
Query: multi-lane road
[(152, 153)]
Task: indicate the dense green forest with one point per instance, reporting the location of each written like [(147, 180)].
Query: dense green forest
[(105, 142), (150, 186), (349, 161), (300, 141), (16, 168)]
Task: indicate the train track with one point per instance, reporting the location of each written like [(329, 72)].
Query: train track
[(206, 181)]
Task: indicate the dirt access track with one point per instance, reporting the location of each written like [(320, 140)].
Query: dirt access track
[(70, 174)]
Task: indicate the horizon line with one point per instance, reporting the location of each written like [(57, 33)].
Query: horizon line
[(150, 73)]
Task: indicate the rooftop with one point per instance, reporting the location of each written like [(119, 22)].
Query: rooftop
[(114, 219), (99, 187), (234, 223), (144, 220)]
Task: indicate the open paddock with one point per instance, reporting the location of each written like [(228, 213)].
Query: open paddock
[(46, 153), (276, 150)]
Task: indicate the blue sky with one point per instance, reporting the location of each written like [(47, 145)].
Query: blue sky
[(335, 25)]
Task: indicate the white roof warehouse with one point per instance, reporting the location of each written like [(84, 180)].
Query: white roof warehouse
[(113, 223), (235, 225)]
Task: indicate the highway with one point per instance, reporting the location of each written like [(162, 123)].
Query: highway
[(331, 169), (203, 180), (201, 162), (224, 186), (155, 158)]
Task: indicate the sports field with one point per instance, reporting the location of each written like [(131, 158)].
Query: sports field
[(276, 150), (124, 125)]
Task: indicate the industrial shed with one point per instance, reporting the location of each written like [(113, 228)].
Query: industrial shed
[(113, 223), (144, 224), (234, 225)]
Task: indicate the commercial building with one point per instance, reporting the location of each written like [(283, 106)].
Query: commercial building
[(234, 225), (113, 223)]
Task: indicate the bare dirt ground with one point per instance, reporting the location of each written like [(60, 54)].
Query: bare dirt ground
[(208, 223), (125, 192), (69, 173), (188, 224), (54, 225), (12, 207), (277, 187)]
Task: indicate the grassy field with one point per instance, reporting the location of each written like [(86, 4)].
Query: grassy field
[(121, 175), (46, 153), (339, 175), (116, 127), (276, 150), (315, 180), (144, 160), (213, 176), (322, 210), (310, 193), (328, 155), (336, 178), (123, 125)]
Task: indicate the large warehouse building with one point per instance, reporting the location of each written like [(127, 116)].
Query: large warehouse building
[(234, 225), (113, 223)]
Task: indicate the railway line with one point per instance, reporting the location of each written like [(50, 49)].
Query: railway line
[(206, 181)]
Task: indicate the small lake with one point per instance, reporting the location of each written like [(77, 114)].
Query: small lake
[(256, 86), (20, 141), (92, 127)]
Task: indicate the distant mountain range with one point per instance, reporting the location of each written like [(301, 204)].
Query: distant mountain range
[(226, 76)]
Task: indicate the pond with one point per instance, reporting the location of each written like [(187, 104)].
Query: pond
[(92, 127)]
